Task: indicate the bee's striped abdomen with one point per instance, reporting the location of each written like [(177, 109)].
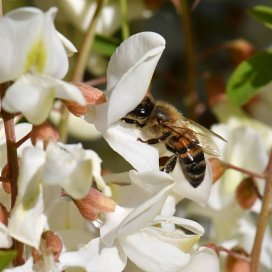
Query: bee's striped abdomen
[(191, 158)]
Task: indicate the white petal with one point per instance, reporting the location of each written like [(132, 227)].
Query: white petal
[(26, 267), (190, 225), (31, 98), (27, 219), (68, 166), (16, 40), (204, 257), (185, 190), (39, 51), (129, 74), (95, 257), (142, 157), (70, 49), (33, 95), (56, 58), (139, 204), (5, 239), (152, 254)]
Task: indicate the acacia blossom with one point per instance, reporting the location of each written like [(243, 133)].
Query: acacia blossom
[(36, 61), (231, 225), (128, 77), (133, 231), (42, 176)]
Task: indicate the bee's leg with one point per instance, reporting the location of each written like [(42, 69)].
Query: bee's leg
[(133, 122), (157, 140), (170, 164)]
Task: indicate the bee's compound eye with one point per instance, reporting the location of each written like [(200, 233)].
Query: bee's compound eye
[(142, 111)]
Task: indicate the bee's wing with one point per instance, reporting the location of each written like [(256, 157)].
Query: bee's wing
[(204, 136)]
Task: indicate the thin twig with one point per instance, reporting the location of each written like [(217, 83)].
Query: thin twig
[(234, 254), (97, 81), (245, 171), (263, 219), (125, 27), (1, 9), (23, 139), (191, 99)]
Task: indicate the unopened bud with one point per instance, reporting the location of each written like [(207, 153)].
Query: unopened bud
[(3, 214), (246, 193), (214, 247), (240, 50), (6, 184), (53, 244), (93, 96), (218, 168), (37, 257), (45, 132), (235, 264), (93, 204)]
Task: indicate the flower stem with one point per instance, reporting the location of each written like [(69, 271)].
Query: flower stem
[(13, 167), (245, 171), (191, 98), (125, 27), (1, 9), (263, 219), (23, 139), (80, 65), (11, 153)]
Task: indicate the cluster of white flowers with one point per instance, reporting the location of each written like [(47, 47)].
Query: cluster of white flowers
[(118, 222)]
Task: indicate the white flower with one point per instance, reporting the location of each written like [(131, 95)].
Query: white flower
[(133, 231), (129, 73), (243, 141), (66, 166), (230, 225), (36, 61)]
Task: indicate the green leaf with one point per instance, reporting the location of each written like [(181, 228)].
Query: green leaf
[(249, 77), (263, 14), (6, 257), (105, 46)]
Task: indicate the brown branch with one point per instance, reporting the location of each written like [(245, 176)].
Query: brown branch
[(263, 219), (191, 99)]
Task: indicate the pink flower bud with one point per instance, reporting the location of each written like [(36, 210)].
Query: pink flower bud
[(237, 265), (218, 168), (246, 194), (93, 96), (45, 132), (53, 244), (93, 204), (3, 214)]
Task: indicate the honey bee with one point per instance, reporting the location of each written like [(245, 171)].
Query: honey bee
[(187, 140)]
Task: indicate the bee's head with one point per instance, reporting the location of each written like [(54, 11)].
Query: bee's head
[(142, 111)]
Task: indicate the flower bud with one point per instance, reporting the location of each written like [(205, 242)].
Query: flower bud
[(218, 168), (45, 132), (37, 256), (214, 247), (53, 244), (5, 174), (239, 50), (93, 204), (93, 96), (246, 193), (234, 264), (3, 214)]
